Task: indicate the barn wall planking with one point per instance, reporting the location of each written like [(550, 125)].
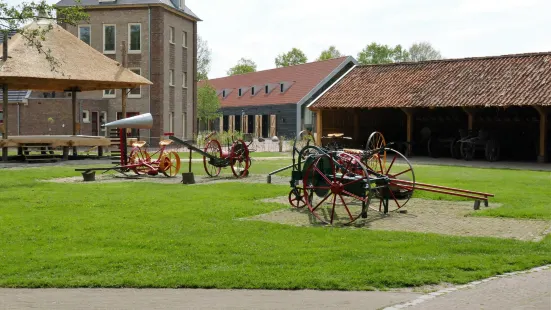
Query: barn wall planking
[(285, 117)]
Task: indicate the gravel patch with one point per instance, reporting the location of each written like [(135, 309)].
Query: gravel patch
[(425, 216)]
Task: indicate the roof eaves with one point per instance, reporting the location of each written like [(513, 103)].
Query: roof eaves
[(330, 87)]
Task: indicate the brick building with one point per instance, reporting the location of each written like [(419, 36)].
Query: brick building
[(160, 39)]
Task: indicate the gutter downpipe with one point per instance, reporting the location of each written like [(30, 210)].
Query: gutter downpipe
[(149, 75), (18, 119)]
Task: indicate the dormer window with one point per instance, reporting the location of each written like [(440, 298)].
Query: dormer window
[(281, 87), (267, 89), (224, 93), (240, 92), (252, 91)]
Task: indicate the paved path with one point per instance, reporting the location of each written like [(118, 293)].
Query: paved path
[(528, 290), (196, 299)]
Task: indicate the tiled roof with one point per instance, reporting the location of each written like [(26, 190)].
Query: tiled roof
[(301, 78), (168, 3), (509, 80)]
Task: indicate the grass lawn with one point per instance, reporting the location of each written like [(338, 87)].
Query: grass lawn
[(155, 235)]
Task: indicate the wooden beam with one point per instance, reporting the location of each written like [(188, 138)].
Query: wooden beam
[(319, 126), (543, 112), (409, 125), (470, 114)]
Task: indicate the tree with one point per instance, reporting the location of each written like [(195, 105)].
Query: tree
[(203, 59), (291, 58), (243, 66), (423, 51), (208, 104), (330, 53), (13, 18), (382, 54)]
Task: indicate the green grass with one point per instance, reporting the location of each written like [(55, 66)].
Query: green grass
[(154, 235)]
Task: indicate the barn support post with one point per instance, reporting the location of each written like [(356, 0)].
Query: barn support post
[(409, 114), (319, 126), (543, 156), (470, 114)]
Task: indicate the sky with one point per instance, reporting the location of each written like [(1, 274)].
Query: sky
[(260, 29)]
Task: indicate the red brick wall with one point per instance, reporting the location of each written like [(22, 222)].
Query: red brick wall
[(33, 117)]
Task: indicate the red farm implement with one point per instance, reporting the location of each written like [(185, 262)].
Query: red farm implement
[(235, 155), (341, 186)]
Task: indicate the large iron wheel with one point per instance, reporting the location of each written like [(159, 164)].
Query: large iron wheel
[(401, 183), (215, 150), (240, 160), (169, 164), (492, 150), (336, 195), (376, 141), (296, 198), (468, 150), (137, 158)]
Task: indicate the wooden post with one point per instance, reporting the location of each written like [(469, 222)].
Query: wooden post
[(542, 156), (319, 126), (470, 115), (5, 100), (124, 95), (409, 114), (75, 118)]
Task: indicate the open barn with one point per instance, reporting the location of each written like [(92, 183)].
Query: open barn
[(489, 108)]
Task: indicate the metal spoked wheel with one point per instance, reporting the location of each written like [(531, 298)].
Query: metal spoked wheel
[(337, 195), (397, 184), (214, 149), (468, 150), (376, 141), (138, 157), (296, 198), (169, 164), (239, 159)]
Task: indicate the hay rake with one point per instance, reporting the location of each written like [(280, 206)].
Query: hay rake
[(341, 186)]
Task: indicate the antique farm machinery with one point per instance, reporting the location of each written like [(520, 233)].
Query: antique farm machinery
[(339, 187), (235, 155), (139, 161)]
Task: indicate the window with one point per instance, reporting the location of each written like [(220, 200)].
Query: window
[(171, 77), (184, 80), (103, 117), (240, 92), (85, 116), (171, 123), (281, 87), (252, 91), (136, 92), (267, 89), (180, 4), (184, 39), (171, 35), (109, 39), (109, 93), (134, 38), (85, 33), (224, 93)]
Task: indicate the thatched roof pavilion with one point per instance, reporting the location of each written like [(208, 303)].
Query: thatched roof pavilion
[(76, 67)]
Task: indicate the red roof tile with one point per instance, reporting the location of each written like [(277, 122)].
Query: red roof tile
[(305, 77), (508, 80)]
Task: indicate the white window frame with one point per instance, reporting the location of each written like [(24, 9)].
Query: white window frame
[(171, 77), (87, 26), (184, 80), (181, 5), (184, 39), (135, 96), (87, 118), (106, 95), (130, 50), (184, 121), (114, 51), (171, 122), (171, 35)]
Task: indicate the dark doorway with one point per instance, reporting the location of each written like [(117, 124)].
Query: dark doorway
[(225, 123), (95, 123), (250, 123), (265, 126), (238, 124)]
